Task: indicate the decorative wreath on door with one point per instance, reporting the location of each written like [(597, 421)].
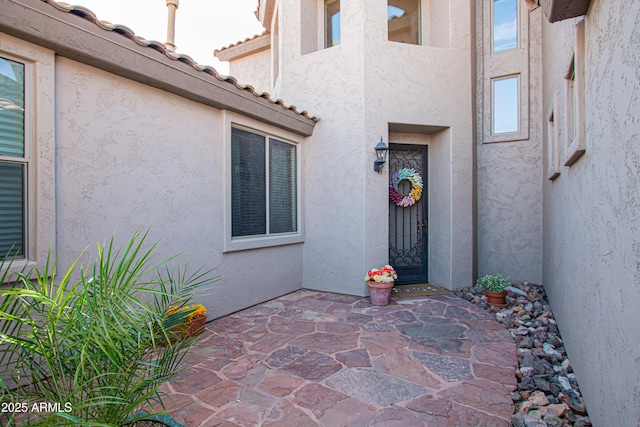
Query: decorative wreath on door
[(416, 187)]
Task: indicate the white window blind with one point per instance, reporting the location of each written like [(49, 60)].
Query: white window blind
[(263, 185), (13, 163)]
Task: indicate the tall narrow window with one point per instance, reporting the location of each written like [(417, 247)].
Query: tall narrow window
[(505, 106), (505, 25), (248, 184), (570, 102), (263, 185), (13, 159), (574, 101), (553, 150), (282, 187), (404, 21), (332, 22)]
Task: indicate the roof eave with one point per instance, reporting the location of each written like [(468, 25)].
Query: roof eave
[(245, 48), (84, 41), (558, 10), (266, 9)]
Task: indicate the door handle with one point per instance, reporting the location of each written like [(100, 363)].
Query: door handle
[(423, 227)]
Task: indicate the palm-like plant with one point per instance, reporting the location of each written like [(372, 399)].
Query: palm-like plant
[(97, 342)]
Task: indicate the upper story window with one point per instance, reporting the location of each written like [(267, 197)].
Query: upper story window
[(553, 145), (575, 100), (332, 22), (505, 71), (506, 105), (571, 103), (14, 160), (264, 185), (505, 25), (404, 21)]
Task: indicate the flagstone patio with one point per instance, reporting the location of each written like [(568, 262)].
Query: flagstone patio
[(311, 358)]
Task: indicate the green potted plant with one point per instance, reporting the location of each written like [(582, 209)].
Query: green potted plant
[(380, 282), (96, 341), (495, 288)]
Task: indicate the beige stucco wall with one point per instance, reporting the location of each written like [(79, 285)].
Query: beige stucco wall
[(254, 70), (132, 157), (356, 96), (592, 212), (509, 172)]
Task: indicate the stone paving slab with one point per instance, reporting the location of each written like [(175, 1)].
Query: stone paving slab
[(320, 359)]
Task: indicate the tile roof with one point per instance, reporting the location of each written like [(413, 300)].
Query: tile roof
[(239, 42), (127, 32)]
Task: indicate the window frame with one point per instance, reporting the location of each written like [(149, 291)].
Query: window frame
[(419, 24), (39, 152), (553, 140), (25, 160), (326, 19), (575, 141), (493, 105), (239, 243), (492, 29), (495, 66)]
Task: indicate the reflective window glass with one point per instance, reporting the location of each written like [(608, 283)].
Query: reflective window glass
[(404, 21), (505, 111), (505, 25)]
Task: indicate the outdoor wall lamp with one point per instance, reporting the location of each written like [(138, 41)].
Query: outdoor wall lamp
[(381, 156)]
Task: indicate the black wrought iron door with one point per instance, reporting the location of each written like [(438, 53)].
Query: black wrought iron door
[(408, 226)]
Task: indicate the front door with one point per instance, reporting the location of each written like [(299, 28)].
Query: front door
[(407, 216)]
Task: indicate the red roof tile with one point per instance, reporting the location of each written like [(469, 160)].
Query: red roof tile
[(127, 32)]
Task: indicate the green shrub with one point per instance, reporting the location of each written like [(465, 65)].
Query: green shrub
[(495, 283), (92, 341)]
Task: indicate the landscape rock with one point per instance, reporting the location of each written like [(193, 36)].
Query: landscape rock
[(534, 421), (539, 398), (559, 410), (548, 393)]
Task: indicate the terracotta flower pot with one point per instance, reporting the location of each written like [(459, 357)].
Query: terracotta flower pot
[(380, 292), (496, 298)]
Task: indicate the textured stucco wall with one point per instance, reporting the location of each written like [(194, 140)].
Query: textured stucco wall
[(509, 191), (356, 95), (430, 86), (328, 82), (129, 157), (254, 70), (592, 213)]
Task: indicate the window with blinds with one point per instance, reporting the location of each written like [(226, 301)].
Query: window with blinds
[(13, 160), (263, 185)]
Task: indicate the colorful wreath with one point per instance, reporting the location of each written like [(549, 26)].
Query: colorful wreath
[(416, 187)]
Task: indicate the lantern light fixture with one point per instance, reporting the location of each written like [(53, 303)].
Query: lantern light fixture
[(381, 156)]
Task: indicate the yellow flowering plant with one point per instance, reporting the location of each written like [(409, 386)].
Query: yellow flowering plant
[(195, 311), (384, 274), (184, 321)]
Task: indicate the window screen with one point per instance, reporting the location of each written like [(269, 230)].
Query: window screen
[(13, 163), (263, 185)]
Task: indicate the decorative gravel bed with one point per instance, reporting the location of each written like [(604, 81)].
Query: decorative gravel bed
[(548, 393)]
